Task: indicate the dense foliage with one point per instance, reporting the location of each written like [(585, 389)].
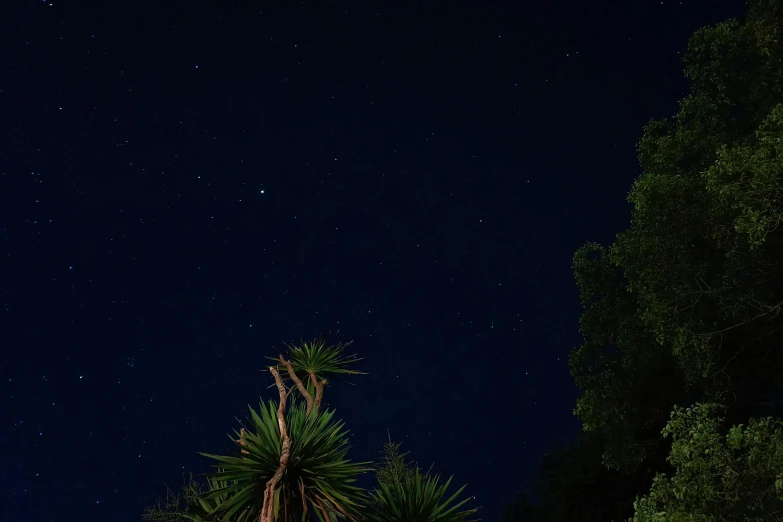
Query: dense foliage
[(685, 305), (719, 478), (683, 310)]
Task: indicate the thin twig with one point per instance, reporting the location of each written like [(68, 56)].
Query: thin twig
[(771, 309)]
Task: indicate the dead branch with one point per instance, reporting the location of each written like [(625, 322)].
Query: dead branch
[(304, 498), (242, 441), (323, 509)]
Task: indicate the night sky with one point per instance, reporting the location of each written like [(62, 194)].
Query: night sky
[(185, 187)]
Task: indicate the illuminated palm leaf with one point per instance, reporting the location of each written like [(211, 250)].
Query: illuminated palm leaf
[(317, 479), (208, 503), (320, 358)]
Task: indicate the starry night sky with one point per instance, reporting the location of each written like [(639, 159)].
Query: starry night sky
[(187, 186)]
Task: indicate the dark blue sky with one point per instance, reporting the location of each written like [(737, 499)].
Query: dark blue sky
[(187, 186)]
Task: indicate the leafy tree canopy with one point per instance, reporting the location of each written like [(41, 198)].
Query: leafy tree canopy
[(685, 306)]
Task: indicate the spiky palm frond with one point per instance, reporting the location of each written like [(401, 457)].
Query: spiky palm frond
[(320, 358), (416, 498), (318, 477), (203, 504)]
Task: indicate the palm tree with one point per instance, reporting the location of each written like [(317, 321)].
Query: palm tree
[(405, 494), (292, 463), (292, 460), (316, 476)]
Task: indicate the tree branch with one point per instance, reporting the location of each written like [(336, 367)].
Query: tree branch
[(319, 389), (776, 308), (298, 382), (267, 511)]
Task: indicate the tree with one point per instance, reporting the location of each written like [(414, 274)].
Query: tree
[(685, 306), (572, 485), (719, 478), (405, 494), (523, 509), (291, 463)]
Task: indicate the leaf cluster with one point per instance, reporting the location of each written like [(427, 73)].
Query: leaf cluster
[(720, 476)]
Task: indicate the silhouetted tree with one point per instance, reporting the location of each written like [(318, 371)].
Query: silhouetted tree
[(573, 485)]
